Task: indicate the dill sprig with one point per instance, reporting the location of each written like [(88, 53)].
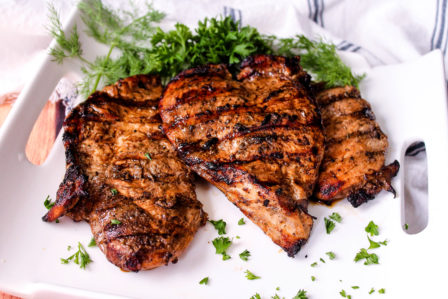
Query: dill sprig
[(143, 48), (66, 46)]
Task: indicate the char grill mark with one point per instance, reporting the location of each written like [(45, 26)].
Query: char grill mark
[(114, 140), (257, 138), (353, 164)]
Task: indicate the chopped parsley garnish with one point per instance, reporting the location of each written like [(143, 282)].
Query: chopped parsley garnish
[(237, 237), (313, 278), (314, 264), (382, 291), (148, 156), (277, 288), (69, 248), (301, 294), (277, 297), (48, 203), (406, 226), (245, 255), (374, 244), (221, 245), (329, 225), (343, 294), (355, 287), (204, 281), (322, 260), (371, 291), (92, 243), (372, 229), (115, 221), (370, 258), (114, 191), (256, 296), (331, 255), (241, 221), (81, 257), (220, 226), (336, 217), (251, 276)]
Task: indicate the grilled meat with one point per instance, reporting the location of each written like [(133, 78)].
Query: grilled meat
[(355, 146), (125, 179), (257, 138)]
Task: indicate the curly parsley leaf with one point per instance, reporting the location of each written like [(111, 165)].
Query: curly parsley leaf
[(372, 229), (220, 226)]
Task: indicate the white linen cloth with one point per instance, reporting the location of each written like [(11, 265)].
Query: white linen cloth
[(378, 31)]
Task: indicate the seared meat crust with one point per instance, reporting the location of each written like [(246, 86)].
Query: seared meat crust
[(355, 146), (257, 138), (120, 166)]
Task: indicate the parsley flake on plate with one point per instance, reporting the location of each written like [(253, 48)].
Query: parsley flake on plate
[(372, 229), (374, 244), (382, 291), (245, 255), (48, 203), (251, 276), (329, 225), (336, 217), (221, 245), (92, 242), (301, 294), (220, 226), (204, 281), (370, 258), (331, 255), (256, 296), (80, 257), (241, 221)]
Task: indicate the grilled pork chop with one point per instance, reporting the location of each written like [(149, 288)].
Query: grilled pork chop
[(125, 179), (355, 146), (257, 138)]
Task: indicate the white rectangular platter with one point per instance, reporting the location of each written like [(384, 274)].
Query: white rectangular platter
[(409, 101)]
